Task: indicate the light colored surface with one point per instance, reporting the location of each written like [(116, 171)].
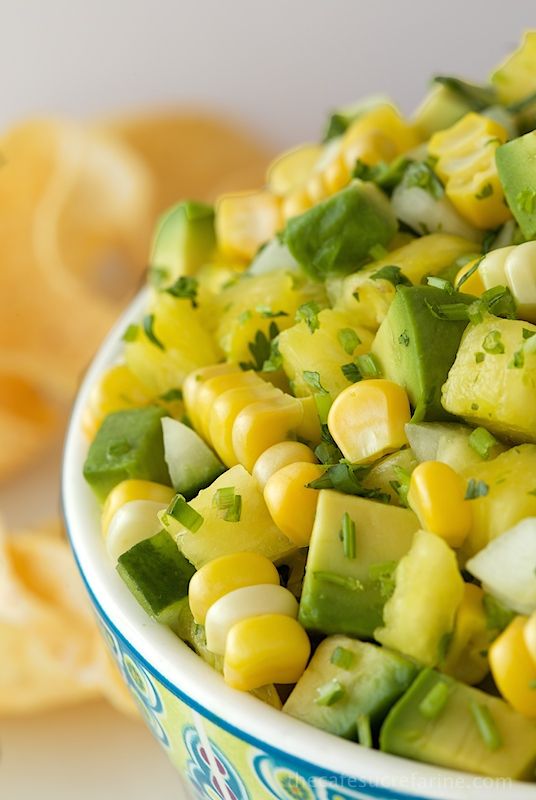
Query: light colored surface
[(278, 65)]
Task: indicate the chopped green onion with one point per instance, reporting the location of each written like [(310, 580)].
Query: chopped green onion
[(148, 327), (368, 366), (440, 283), (344, 581), (348, 339), (435, 701), (486, 725), (455, 312), (308, 313), (351, 372), (224, 498), (131, 333), (234, 512), (476, 489), (364, 733), (329, 693), (312, 379), (518, 360), (323, 404), (482, 442), (348, 535), (181, 511), (342, 657), (479, 357), (393, 274), (492, 343)]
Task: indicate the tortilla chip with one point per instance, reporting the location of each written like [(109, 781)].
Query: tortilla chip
[(52, 651)]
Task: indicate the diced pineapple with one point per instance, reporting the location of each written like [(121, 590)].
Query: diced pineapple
[(255, 532), (492, 383), (422, 610), (324, 351), (368, 298), (390, 474), (180, 343), (508, 485)]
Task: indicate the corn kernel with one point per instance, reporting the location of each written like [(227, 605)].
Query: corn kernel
[(316, 188), (262, 424), (437, 495), (379, 135), (118, 388), (466, 660), (269, 649), (193, 382), (250, 601), (474, 283), (132, 523), (513, 669), (336, 173), (278, 456), (212, 388), (292, 505), (367, 419), (297, 202), (129, 490), (225, 574), (520, 267), (246, 220), (225, 409), (292, 169), (492, 268)]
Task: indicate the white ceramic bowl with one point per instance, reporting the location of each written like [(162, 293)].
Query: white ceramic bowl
[(228, 745)]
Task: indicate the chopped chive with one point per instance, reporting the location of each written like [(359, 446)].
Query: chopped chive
[(368, 366), (312, 379), (377, 252), (492, 343), (470, 272), (351, 372), (131, 333), (342, 657), (455, 312), (224, 498), (234, 511), (348, 535), (148, 327), (479, 357), (323, 403), (435, 701), (180, 510), (364, 733), (440, 283), (308, 313), (329, 693), (348, 339), (482, 442), (486, 725), (518, 360), (344, 581), (390, 273), (476, 489)]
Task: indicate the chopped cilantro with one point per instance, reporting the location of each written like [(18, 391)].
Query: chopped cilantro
[(308, 313), (312, 379), (422, 175), (148, 328), (260, 348), (348, 339), (393, 274), (475, 489), (185, 286)]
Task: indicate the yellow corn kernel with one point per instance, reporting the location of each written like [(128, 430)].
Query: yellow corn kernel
[(225, 574), (292, 169), (309, 428), (530, 636), (278, 456), (336, 173), (246, 220), (316, 188), (292, 505), (513, 669), (117, 388), (193, 383), (474, 283), (379, 135), (225, 409), (263, 424), (296, 203), (520, 268), (367, 419), (465, 155), (129, 490), (272, 648), (437, 495), (466, 660), (492, 268), (212, 388)]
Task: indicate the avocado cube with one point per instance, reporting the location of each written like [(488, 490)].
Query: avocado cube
[(516, 164), (446, 733), (347, 595), (129, 444), (372, 679), (184, 240), (403, 346), (157, 574)]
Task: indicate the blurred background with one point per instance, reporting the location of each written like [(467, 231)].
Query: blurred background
[(175, 99)]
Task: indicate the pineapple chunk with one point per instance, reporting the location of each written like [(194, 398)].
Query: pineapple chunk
[(422, 610), (323, 350), (182, 344), (368, 299), (511, 482), (493, 380)]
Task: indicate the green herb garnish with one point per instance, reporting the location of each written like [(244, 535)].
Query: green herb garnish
[(435, 701), (393, 274), (185, 287), (482, 442), (148, 328), (181, 511), (476, 489), (349, 340)]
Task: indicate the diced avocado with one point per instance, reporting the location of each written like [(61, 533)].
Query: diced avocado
[(254, 531), (402, 346), (347, 595), (516, 164), (436, 722), (192, 464), (515, 82), (337, 234), (419, 616), (440, 109), (128, 444), (372, 679), (450, 443), (157, 574), (184, 240)]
